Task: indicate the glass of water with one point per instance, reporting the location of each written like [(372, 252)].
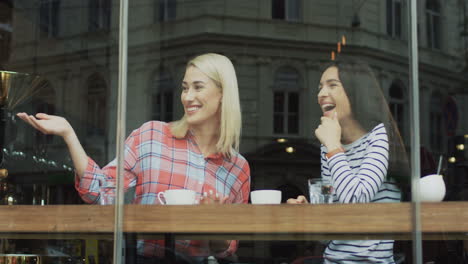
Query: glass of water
[(320, 191), (107, 195), (315, 191)]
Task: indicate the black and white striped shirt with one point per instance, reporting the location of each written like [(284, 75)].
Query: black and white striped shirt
[(359, 176)]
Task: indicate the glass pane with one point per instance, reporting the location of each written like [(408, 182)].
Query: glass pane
[(293, 103), (398, 17), (429, 30), (293, 124), (293, 10), (443, 126), (389, 12), (278, 124), (396, 91), (187, 154), (279, 102), (278, 9), (53, 61), (437, 32)]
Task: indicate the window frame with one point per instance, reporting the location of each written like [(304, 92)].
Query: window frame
[(165, 10), (436, 114), (162, 83), (287, 88), (99, 15), (394, 25), (96, 90), (433, 25), (402, 123), (49, 16), (286, 10)]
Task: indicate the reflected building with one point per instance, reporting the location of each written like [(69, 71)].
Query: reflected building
[(277, 47)]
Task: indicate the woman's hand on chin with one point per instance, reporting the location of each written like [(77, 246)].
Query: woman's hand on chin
[(329, 132)]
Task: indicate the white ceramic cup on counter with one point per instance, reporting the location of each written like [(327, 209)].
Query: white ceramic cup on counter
[(432, 188), (265, 197), (177, 197)]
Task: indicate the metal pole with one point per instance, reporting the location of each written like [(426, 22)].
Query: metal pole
[(120, 140), (415, 143)]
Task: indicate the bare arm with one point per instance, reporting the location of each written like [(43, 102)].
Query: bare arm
[(56, 125)]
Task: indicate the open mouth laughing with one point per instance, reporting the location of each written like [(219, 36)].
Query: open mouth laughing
[(327, 109)]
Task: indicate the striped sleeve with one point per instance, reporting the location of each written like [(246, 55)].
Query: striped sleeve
[(361, 185)]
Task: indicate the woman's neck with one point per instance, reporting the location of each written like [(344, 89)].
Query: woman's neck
[(206, 138), (351, 131)]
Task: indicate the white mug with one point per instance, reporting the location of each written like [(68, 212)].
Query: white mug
[(432, 188), (265, 197), (177, 197)]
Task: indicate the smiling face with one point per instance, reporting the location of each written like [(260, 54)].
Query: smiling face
[(332, 96), (201, 98)]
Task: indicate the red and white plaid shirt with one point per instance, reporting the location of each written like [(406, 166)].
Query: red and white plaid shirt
[(156, 161)]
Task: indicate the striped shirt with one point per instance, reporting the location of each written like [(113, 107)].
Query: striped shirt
[(156, 161), (359, 176)]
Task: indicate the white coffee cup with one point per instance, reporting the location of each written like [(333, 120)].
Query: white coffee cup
[(432, 188), (177, 197), (265, 197)]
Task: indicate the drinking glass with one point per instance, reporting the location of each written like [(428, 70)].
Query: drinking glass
[(107, 195), (320, 191), (315, 191), (327, 192)]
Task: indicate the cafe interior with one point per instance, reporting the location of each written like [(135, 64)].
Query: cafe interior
[(109, 66)]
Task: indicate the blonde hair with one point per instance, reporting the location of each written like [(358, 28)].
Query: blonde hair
[(219, 69)]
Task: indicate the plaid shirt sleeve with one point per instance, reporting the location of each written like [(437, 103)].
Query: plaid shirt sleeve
[(89, 185)]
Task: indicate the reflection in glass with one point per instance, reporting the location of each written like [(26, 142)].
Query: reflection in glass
[(261, 37)]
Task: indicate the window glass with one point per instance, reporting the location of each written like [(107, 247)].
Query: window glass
[(53, 69), (442, 113), (394, 18), (433, 26), (221, 99), (166, 10)]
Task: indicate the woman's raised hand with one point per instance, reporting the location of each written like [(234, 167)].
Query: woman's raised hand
[(329, 131), (48, 124), (57, 125)]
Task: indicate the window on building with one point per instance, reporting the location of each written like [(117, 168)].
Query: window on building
[(397, 100), (165, 10), (394, 18), (49, 18), (99, 15), (433, 21), (162, 98), (436, 123), (286, 9), (286, 101), (96, 106), (6, 29)]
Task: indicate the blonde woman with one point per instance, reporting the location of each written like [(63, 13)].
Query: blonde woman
[(198, 152)]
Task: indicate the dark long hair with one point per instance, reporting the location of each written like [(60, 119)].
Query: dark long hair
[(369, 108)]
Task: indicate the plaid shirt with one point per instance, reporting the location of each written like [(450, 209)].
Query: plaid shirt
[(156, 161)]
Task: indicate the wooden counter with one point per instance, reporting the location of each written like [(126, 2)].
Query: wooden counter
[(296, 222)]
